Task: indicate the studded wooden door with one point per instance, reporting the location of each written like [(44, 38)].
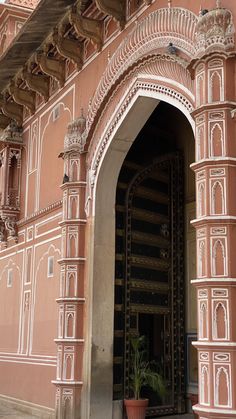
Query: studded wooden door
[(149, 277)]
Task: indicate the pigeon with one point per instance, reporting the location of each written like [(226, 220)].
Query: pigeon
[(65, 178), (171, 49), (203, 12)]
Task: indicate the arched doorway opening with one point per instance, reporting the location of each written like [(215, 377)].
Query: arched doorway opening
[(153, 188), (98, 395)]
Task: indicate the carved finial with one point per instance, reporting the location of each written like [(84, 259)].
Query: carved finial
[(218, 4), (169, 4)]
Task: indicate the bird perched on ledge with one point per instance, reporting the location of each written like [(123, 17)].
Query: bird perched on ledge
[(65, 178), (203, 12), (171, 49)]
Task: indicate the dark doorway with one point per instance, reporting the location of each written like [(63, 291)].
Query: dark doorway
[(149, 274)]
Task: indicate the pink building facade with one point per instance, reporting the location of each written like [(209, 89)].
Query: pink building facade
[(117, 204)]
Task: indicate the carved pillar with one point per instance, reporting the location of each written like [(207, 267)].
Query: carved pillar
[(70, 341), (10, 173), (215, 170)]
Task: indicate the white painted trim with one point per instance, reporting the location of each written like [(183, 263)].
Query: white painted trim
[(198, 408), (212, 280), (216, 344)]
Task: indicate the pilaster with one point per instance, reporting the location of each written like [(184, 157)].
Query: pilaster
[(70, 340), (11, 144), (215, 223)]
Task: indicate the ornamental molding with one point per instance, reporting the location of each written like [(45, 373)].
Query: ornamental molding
[(76, 137), (215, 32), (161, 68), (31, 4), (154, 32), (144, 87)]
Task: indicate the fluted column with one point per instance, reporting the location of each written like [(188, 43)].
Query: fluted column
[(215, 223), (70, 340)]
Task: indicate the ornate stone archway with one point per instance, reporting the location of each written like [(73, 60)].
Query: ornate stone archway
[(140, 73)]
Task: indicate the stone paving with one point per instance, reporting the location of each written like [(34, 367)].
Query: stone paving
[(10, 413)]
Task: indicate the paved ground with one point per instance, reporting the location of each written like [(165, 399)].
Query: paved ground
[(10, 413), (187, 416)]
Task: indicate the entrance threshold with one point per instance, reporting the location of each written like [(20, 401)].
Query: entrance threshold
[(186, 416)]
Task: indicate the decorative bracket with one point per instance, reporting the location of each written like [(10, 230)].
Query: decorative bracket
[(11, 228), (38, 83), (12, 110), (51, 66), (2, 232), (68, 48), (4, 121), (23, 97), (115, 9), (86, 27)]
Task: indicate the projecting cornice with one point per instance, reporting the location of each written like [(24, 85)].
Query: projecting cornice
[(86, 27), (55, 32), (33, 33)]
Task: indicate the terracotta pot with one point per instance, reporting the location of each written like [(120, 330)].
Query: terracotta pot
[(136, 409)]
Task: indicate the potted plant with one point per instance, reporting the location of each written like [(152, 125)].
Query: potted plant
[(142, 374)]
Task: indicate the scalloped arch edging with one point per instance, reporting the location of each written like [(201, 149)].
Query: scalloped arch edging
[(154, 31)]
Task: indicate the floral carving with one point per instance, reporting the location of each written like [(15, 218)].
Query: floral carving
[(76, 136), (215, 31)]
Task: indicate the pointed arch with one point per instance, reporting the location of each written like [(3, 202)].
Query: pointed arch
[(219, 258), (220, 329), (160, 27), (218, 199), (202, 259), (223, 387), (216, 93), (201, 200), (217, 141), (203, 330), (204, 389), (70, 325)]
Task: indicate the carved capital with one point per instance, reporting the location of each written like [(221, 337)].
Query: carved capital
[(38, 83), (23, 97), (12, 110), (12, 134), (86, 27), (68, 48), (115, 9), (51, 67), (215, 31), (76, 136)]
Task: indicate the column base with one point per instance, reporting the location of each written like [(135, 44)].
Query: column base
[(213, 413)]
